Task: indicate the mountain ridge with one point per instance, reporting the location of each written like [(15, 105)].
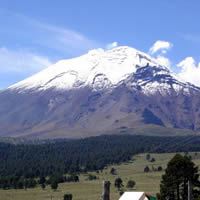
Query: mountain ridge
[(115, 64), (99, 92)]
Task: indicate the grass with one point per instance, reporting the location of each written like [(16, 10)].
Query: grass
[(91, 190)]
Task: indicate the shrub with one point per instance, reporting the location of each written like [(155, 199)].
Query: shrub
[(146, 169), (92, 177), (118, 183), (54, 185), (131, 184), (160, 168), (153, 160), (148, 156), (113, 171), (43, 186), (67, 197), (72, 178)]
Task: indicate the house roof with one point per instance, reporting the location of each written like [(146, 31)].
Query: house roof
[(133, 196)]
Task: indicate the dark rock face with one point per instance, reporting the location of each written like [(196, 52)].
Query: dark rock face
[(150, 118)]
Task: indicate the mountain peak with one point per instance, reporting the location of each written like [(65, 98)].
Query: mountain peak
[(104, 90), (113, 65)]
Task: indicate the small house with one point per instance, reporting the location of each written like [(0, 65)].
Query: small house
[(136, 196)]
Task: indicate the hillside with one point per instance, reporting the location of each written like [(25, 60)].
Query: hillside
[(49, 158), (90, 190)]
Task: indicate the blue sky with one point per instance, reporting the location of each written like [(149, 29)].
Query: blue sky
[(36, 33)]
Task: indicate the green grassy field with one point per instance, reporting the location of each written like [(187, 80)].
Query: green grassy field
[(91, 190)]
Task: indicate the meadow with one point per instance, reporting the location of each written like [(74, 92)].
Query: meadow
[(91, 190)]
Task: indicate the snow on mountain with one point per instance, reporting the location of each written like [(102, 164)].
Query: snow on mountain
[(103, 91), (98, 69)]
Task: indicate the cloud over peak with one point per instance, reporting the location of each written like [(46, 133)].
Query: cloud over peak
[(158, 51), (160, 46), (162, 60), (190, 70), (111, 45)]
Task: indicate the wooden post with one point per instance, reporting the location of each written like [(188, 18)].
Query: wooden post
[(189, 190), (106, 190)]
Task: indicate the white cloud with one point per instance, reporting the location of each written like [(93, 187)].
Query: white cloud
[(158, 50), (190, 70), (61, 40), (111, 45), (21, 61), (160, 46), (65, 40), (163, 61), (42, 40)]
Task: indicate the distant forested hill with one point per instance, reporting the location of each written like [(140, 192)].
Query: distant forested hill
[(59, 157)]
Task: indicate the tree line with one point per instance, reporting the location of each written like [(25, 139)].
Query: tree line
[(24, 164), (16, 182)]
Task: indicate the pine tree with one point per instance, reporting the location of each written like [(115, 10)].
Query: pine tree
[(174, 182)]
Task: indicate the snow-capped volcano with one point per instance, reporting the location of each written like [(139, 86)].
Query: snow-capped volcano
[(103, 91), (93, 69)]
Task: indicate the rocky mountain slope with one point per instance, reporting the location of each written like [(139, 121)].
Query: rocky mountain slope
[(102, 92)]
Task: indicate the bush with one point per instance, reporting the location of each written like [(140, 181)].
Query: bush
[(32, 183), (54, 185), (56, 177), (131, 184), (67, 197), (72, 178), (146, 169), (43, 186), (118, 183), (20, 184), (113, 171), (42, 180), (92, 177), (160, 168), (148, 156)]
